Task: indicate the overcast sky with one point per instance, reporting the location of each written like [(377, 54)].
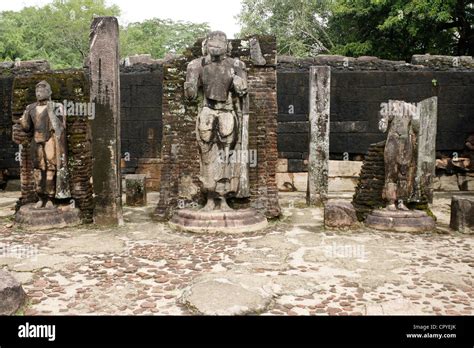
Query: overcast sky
[(218, 13)]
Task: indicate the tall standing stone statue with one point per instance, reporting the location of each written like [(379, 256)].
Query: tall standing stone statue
[(409, 158), (219, 83), (401, 121), (44, 124), (222, 81)]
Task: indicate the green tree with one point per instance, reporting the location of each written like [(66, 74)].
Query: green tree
[(300, 26), (397, 29), (159, 36), (58, 32)]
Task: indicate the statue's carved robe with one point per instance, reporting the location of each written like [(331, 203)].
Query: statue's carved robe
[(400, 156), (48, 139), (222, 123)]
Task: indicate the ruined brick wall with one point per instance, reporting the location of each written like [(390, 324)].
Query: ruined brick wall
[(180, 156), (368, 195), (358, 87), (70, 85), (7, 147)]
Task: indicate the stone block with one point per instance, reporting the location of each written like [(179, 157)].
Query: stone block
[(339, 214), (300, 181), (462, 214), (282, 165), (344, 169), (135, 190), (342, 184), (12, 295)]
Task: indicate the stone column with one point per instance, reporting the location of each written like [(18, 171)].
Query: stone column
[(105, 93), (426, 157), (319, 108)]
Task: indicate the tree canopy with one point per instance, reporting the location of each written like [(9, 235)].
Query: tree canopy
[(299, 25), (392, 29), (59, 32)]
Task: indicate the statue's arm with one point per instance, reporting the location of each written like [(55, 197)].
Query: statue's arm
[(25, 121), (240, 78), (384, 123), (191, 86)]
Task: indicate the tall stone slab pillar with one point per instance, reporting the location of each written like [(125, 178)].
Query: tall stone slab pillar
[(319, 108), (426, 157), (105, 93)]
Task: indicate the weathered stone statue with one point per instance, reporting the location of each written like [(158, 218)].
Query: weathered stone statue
[(45, 123), (222, 122), (409, 161), (402, 122), (219, 85)]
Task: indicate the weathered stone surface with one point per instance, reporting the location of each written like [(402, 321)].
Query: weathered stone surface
[(232, 221), (227, 296), (47, 218), (443, 62), (339, 214), (400, 221), (105, 93), (462, 214), (282, 165), (256, 53), (319, 111), (12, 296), (35, 65), (135, 190)]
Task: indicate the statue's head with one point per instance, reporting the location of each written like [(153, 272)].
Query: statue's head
[(43, 91), (215, 44)]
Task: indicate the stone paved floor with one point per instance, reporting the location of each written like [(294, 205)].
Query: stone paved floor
[(295, 267)]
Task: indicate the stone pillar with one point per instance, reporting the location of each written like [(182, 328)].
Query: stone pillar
[(426, 157), (319, 108), (105, 93)]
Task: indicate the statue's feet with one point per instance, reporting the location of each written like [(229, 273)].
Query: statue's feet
[(210, 205), (391, 207), (39, 204), (402, 207)]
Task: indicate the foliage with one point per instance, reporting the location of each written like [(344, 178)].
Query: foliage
[(58, 32), (160, 36), (300, 26), (394, 29)]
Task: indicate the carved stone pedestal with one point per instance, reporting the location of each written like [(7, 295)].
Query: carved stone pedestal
[(47, 218), (236, 221), (400, 221)]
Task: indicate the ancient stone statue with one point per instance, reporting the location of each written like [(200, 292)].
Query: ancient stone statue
[(45, 124), (222, 122), (401, 120)]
